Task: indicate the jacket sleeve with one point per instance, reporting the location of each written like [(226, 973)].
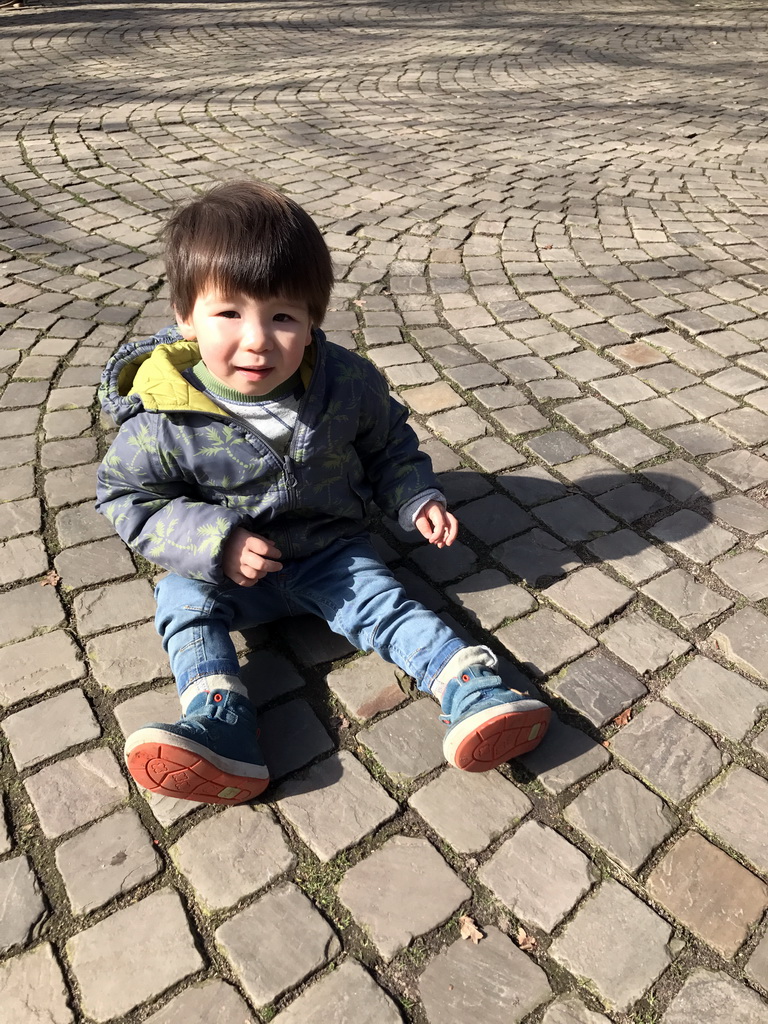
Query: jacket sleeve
[(389, 450), (143, 493)]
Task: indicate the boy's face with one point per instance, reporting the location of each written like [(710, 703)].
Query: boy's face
[(251, 345)]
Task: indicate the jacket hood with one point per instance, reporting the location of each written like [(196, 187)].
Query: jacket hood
[(147, 376)]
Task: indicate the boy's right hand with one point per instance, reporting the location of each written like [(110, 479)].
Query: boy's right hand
[(247, 557)]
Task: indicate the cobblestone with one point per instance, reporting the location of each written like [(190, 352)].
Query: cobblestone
[(33, 988), (732, 810), (50, 727), (402, 890), (24, 910), (110, 962), (716, 998), (276, 943)]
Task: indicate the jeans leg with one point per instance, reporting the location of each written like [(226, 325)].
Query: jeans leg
[(195, 619), (352, 589)]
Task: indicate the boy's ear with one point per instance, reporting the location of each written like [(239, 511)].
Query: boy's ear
[(185, 327)]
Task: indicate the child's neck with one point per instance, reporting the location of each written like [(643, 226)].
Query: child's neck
[(212, 384)]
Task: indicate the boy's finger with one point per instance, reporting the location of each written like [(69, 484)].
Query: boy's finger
[(262, 546)]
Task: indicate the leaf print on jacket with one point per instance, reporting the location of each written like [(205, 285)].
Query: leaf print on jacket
[(182, 473)]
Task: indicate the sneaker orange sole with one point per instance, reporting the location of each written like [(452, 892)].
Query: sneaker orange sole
[(172, 771), (497, 740)]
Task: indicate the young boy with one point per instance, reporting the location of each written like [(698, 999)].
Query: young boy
[(249, 449)]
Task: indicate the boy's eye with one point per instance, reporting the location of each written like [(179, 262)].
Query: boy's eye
[(282, 318), (230, 314)]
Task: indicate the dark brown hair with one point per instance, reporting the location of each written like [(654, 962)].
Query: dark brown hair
[(245, 237)]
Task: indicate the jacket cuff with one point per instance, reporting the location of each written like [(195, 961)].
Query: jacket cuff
[(406, 517)]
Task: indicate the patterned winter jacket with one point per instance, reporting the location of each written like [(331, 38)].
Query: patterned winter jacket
[(183, 473)]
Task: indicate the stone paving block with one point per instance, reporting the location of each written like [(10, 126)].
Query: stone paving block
[(716, 998), (556, 446), (366, 686), (213, 1002), (618, 813), (33, 989), (79, 789), (741, 469), (110, 958), (37, 665), (630, 555), (81, 523), (127, 657), (22, 558), (469, 809), (589, 596), (643, 643), (400, 891), (757, 966), (334, 804), (494, 518), (5, 835), (69, 486), (160, 704), (693, 536), (49, 727), (571, 1010), (574, 518), (669, 752), (726, 701), (690, 602), (346, 994), (565, 756), (492, 454), (532, 485), (742, 513), (747, 425), (593, 474), (535, 556), (733, 810), (657, 413), (522, 419), (632, 502), (585, 366), (489, 598), (24, 910), (17, 517), (629, 447), (624, 390), (291, 736), (667, 378), (265, 674), (67, 423), (686, 483), (598, 687), (99, 562), (746, 573), (107, 859), (709, 892), (408, 742), (27, 610), (217, 856), (520, 875), (443, 565), (19, 480), (617, 942), (119, 604), (545, 641), (18, 422), (699, 438), (72, 452), (471, 983), (590, 415), (743, 639)]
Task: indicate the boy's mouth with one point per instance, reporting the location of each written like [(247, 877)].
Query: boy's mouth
[(255, 372)]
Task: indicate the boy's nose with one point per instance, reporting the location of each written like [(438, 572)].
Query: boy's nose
[(256, 336)]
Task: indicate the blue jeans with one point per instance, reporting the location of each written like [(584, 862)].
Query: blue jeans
[(347, 584)]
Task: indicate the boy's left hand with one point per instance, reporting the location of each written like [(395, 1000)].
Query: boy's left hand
[(437, 524)]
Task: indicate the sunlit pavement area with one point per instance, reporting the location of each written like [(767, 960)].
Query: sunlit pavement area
[(550, 227)]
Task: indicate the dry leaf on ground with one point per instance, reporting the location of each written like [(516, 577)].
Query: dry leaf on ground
[(524, 940), (50, 579), (623, 718), (469, 929)]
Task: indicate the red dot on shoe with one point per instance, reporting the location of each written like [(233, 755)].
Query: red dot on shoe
[(464, 678), (217, 697)]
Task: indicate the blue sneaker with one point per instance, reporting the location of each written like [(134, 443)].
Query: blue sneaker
[(488, 723), (211, 754)]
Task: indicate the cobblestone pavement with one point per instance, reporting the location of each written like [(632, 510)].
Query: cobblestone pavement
[(550, 223)]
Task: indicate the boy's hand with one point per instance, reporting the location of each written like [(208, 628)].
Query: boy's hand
[(247, 557), (437, 524)]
